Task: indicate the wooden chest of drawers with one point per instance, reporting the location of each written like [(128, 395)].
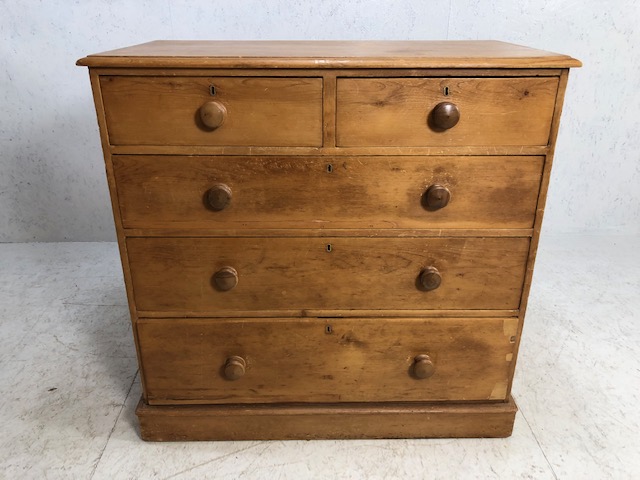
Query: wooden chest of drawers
[(327, 239)]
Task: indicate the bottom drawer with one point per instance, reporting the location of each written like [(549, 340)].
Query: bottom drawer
[(220, 361)]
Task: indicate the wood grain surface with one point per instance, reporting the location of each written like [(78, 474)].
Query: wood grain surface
[(300, 273), (329, 54), (325, 360), (493, 111), (166, 110), (312, 192), (226, 150), (309, 422), (260, 186), (327, 232)]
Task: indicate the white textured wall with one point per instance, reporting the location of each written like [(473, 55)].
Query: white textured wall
[(52, 184)]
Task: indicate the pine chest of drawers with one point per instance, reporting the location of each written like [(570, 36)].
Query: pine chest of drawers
[(327, 239)]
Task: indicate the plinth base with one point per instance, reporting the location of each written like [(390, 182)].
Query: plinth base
[(325, 421)]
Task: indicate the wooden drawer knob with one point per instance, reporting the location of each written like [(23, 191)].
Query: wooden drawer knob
[(212, 114), (226, 278), (218, 197), (234, 368), (423, 366), (445, 115), (437, 197), (430, 278)]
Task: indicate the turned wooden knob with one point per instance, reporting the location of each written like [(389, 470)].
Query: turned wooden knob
[(436, 197), (234, 368), (212, 114), (445, 115), (218, 197), (226, 278), (430, 278), (423, 366)]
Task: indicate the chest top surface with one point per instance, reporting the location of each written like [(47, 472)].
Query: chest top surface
[(329, 54)]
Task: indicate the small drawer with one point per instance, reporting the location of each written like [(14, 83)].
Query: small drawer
[(218, 276), (311, 192), (249, 111), (444, 111), (325, 360)]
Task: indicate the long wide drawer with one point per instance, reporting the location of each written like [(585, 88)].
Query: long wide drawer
[(249, 274), (313, 192), (445, 111), (325, 360), (250, 111)]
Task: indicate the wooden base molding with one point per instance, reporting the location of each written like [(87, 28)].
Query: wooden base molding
[(342, 421)]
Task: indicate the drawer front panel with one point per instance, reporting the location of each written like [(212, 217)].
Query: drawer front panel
[(307, 192), (325, 360), (254, 111), (190, 274), (400, 111)]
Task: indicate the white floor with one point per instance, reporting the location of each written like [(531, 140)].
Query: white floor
[(69, 385)]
